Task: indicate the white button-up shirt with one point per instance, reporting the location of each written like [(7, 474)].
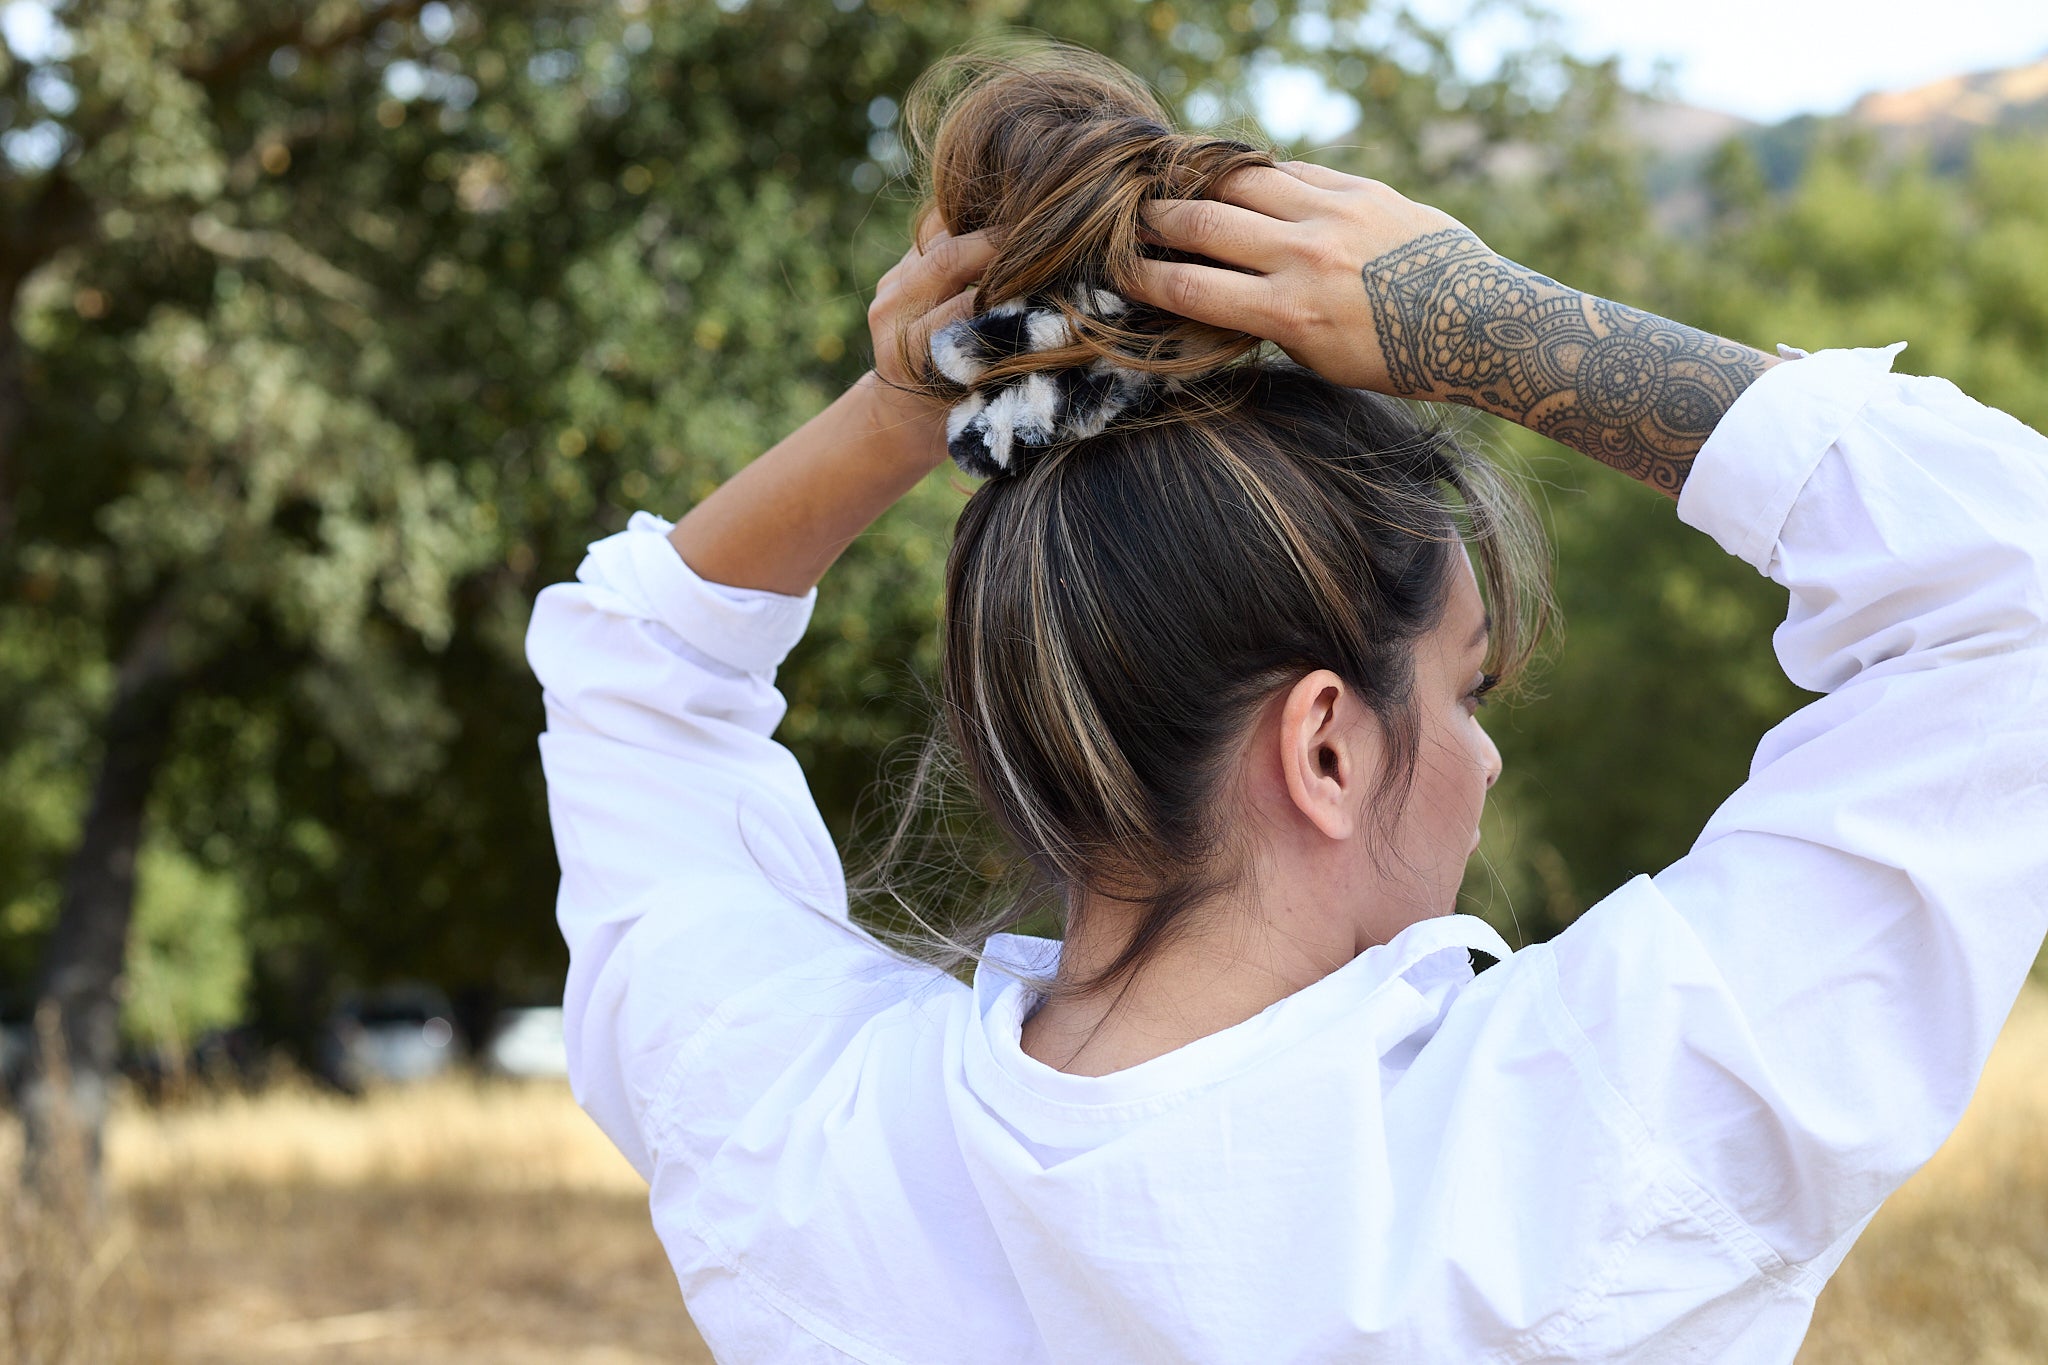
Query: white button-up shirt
[(1650, 1139)]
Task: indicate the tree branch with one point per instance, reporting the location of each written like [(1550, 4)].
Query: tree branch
[(301, 263)]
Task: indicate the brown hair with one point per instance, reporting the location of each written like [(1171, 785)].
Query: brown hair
[(1119, 607), (1054, 148)]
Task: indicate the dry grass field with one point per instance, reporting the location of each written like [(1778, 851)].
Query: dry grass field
[(458, 1221), (466, 1221)]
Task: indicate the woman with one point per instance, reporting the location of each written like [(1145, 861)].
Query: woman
[(1214, 656)]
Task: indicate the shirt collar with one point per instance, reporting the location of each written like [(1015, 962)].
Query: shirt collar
[(1388, 979)]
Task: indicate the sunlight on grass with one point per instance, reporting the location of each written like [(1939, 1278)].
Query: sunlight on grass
[(481, 1134)]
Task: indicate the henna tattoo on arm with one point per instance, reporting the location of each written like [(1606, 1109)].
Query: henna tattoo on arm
[(1459, 324)]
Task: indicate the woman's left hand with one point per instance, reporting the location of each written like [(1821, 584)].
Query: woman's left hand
[(1375, 291), (931, 286)]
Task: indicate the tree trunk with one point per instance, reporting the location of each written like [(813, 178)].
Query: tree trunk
[(55, 216), (65, 1090)]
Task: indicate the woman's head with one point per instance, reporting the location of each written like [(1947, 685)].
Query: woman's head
[(1253, 596)]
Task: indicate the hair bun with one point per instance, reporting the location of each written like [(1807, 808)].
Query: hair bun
[(1037, 408), (1055, 150)]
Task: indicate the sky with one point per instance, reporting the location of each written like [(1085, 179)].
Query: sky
[(1763, 59), (1770, 59)]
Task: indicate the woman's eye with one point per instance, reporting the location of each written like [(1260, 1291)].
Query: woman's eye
[(1487, 682)]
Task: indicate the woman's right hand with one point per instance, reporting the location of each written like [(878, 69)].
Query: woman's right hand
[(1309, 233), (1375, 291), (779, 523)]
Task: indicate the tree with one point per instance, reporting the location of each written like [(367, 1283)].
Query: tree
[(200, 478)]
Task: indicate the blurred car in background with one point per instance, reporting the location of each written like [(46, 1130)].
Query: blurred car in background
[(528, 1042), (388, 1036), (401, 1033)]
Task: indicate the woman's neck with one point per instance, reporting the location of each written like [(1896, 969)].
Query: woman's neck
[(1230, 963)]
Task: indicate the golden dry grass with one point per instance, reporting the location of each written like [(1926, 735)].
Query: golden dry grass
[(466, 1221), (480, 1134), (458, 1221), (70, 1291)]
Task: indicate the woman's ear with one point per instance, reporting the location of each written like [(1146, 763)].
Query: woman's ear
[(1329, 752)]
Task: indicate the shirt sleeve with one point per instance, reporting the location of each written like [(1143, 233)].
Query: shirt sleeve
[(701, 892), (1801, 1006)]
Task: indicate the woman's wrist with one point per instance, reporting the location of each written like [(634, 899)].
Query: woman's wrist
[(898, 426), (1458, 323), (779, 523)]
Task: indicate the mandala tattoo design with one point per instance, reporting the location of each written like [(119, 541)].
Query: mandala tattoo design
[(1459, 324)]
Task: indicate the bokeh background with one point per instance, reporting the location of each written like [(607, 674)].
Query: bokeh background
[(332, 330)]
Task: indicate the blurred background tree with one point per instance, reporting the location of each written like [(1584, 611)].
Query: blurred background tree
[(334, 329)]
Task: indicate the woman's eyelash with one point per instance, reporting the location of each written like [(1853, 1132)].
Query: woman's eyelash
[(1487, 682)]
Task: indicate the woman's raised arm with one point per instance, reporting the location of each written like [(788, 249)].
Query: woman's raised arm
[(1374, 290), (699, 883)]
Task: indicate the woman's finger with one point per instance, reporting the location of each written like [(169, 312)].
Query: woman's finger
[(1222, 232), (901, 351), (961, 305), (1271, 191), (1322, 177), (1221, 298), (949, 263)]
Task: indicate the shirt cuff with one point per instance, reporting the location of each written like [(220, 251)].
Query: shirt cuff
[(1747, 476), (750, 629)]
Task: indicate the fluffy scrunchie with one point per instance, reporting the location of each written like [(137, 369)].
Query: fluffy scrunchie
[(1044, 408)]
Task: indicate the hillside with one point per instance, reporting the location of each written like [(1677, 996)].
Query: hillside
[(2013, 98), (1939, 120)]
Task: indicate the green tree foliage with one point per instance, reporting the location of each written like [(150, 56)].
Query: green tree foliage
[(1865, 252), (187, 964)]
